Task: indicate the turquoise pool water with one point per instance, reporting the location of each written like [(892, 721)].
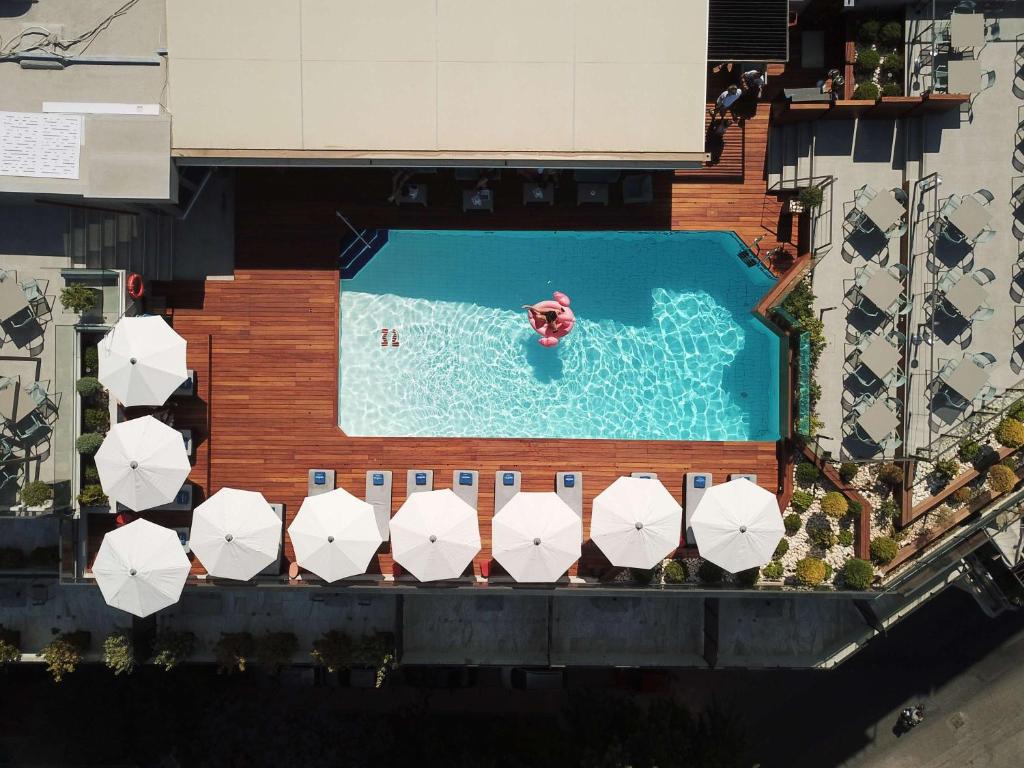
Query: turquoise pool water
[(665, 345)]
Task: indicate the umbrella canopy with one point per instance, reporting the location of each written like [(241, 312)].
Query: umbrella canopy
[(335, 535), (235, 534), (141, 568), (737, 525), (142, 360), (142, 463), (636, 522), (435, 535), (536, 537)]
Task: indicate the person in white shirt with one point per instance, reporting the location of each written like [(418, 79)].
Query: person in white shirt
[(726, 100), (753, 81)]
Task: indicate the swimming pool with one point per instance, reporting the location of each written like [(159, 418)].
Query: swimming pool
[(665, 346)]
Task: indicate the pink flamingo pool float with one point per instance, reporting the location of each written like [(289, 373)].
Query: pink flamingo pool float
[(549, 336)]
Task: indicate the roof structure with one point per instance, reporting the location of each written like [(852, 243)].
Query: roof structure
[(438, 81)]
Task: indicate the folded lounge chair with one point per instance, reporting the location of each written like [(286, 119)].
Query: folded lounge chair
[(378, 494), (506, 485), (569, 487), (645, 475), (320, 481), (419, 480), (466, 484), (696, 484)]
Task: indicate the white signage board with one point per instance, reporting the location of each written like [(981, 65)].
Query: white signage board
[(45, 146)]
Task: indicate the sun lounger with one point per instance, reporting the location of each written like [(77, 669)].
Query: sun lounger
[(187, 388), (417, 480), (466, 484), (378, 493), (645, 475), (506, 485), (696, 484), (569, 487), (274, 569), (751, 478), (319, 481)]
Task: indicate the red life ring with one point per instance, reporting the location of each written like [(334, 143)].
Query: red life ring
[(136, 288)]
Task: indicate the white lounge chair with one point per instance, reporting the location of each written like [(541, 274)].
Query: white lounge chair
[(417, 480), (696, 484), (506, 485), (378, 494), (466, 485), (569, 487)]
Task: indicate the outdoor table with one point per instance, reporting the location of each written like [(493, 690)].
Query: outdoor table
[(966, 296), (15, 405), (477, 199), (970, 217), (878, 421), (964, 75), (413, 193), (882, 290), (880, 357), (966, 379), (12, 300), (538, 193), (592, 193), (966, 30), (884, 210)]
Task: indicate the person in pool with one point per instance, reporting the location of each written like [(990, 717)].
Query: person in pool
[(549, 316)]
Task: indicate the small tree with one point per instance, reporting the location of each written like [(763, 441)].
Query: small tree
[(834, 504), (810, 572), (810, 197), (868, 60), (77, 298), (1001, 479), (773, 571), (806, 474), (792, 523), (233, 651), (96, 420), (891, 34), (883, 549), (847, 471), (675, 572), (892, 89), (1010, 433), (276, 649), (332, 650), (890, 475), (868, 31), (781, 549), (845, 537), (969, 451), (857, 573), (36, 493), (64, 653), (802, 500), (119, 652), (9, 653), (171, 648), (822, 535), (89, 443), (945, 470), (88, 386), (962, 496), (377, 651), (92, 495), (866, 91)]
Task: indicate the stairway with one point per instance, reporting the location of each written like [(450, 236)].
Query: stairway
[(135, 242), (357, 248), (790, 155)]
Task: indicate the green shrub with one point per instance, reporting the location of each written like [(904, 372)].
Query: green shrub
[(891, 34), (773, 571), (89, 443), (332, 650), (810, 572), (35, 493), (1016, 411), (834, 504), (781, 549), (828, 571), (92, 495), (1001, 479), (91, 360), (233, 651), (889, 512), (847, 471), (88, 386), (855, 508), (11, 559), (276, 649), (1010, 433), (822, 536), (868, 60), (96, 420), (890, 474), (866, 91), (9, 652), (810, 197), (171, 648), (845, 537), (962, 496), (806, 474), (857, 573), (675, 572), (883, 549), (792, 523), (64, 653), (868, 31), (709, 573), (77, 298), (802, 500), (90, 474), (893, 63), (749, 577), (969, 451), (891, 89), (119, 652), (945, 470)]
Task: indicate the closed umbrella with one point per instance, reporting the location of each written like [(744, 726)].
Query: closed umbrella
[(435, 535), (142, 360), (141, 568), (142, 463), (235, 534), (335, 535), (737, 525), (636, 522), (536, 537)]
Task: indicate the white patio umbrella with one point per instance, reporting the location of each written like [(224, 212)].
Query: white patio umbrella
[(536, 537), (335, 535), (636, 522), (235, 534), (435, 535), (142, 360), (142, 463), (737, 525), (141, 568)]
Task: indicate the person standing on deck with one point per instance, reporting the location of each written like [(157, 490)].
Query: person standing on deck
[(726, 100)]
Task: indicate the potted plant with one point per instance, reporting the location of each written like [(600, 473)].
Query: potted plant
[(64, 653), (80, 299), (233, 651), (171, 648), (810, 197), (37, 496), (119, 652)]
